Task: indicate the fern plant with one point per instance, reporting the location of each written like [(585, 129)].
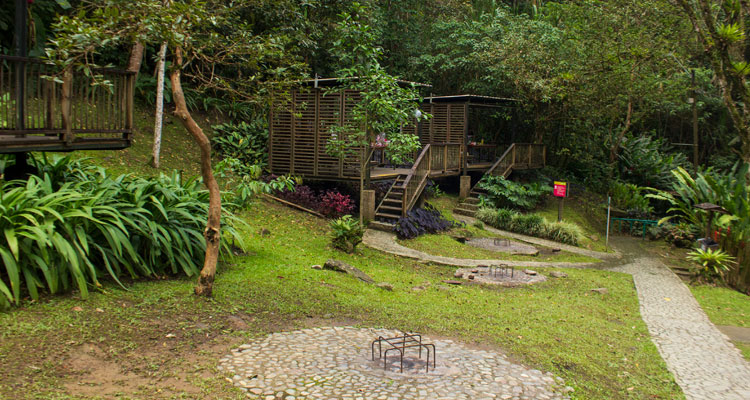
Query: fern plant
[(346, 233), (503, 193)]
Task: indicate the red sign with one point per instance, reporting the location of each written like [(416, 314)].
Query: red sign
[(561, 189)]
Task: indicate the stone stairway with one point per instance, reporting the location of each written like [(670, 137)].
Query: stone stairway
[(470, 205)]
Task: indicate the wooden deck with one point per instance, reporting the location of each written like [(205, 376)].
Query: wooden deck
[(39, 114)]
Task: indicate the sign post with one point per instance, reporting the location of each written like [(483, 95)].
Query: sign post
[(560, 190)]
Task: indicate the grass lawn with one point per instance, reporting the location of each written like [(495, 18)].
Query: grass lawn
[(444, 245), (158, 335), (725, 307)]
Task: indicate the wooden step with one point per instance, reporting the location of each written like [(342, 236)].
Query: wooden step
[(393, 201), (390, 208), (387, 215), (471, 200), (470, 206)]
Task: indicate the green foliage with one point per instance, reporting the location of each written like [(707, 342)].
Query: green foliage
[(627, 196), (385, 105), (530, 224), (503, 193), (246, 183), (346, 233), (71, 233), (246, 142), (728, 190), (645, 161), (714, 263)]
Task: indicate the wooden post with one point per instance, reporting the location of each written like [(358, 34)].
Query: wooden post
[(130, 106), (695, 121), (445, 158), (21, 51), (67, 123)]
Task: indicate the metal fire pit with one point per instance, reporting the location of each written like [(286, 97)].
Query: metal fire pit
[(400, 344), (503, 270)]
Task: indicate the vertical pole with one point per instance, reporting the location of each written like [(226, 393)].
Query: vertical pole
[(560, 209), (609, 210), (695, 120), (21, 51)]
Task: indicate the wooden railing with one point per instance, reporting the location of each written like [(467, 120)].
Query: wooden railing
[(481, 153), (519, 156), (39, 99), (416, 180), (445, 157)]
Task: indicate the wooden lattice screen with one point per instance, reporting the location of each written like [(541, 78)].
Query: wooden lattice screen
[(300, 130), (447, 125)]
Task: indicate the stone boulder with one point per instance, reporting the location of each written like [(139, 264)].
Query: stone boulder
[(340, 266)]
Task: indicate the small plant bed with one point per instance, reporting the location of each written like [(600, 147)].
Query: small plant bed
[(447, 245), (587, 214)]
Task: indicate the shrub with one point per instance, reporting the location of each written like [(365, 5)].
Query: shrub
[(71, 234), (564, 232), (423, 220), (246, 182), (346, 233), (302, 195), (335, 204), (681, 235), (246, 142), (530, 224), (714, 263), (629, 197), (505, 193), (647, 162)]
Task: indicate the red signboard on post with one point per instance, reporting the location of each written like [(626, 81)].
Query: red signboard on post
[(561, 189)]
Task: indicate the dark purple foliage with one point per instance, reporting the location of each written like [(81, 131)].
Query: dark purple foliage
[(421, 221), (302, 195)]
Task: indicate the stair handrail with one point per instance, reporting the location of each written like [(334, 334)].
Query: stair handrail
[(500, 159), (420, 170)]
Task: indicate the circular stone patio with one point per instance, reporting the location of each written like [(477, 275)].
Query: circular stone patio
[(328, 363)]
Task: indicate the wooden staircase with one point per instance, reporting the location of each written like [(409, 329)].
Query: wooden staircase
[(517, 156), (404, 193)]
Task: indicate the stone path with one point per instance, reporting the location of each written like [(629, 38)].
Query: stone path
[(703, 361), (386, 242), (335, 363)]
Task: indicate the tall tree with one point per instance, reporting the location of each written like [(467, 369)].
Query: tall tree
[(211, 45), (722, 30)]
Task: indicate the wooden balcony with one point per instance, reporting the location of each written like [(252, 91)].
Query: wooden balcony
[(67, 113)]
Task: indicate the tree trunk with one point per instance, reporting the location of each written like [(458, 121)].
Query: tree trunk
[(213, 227), (136, 57), (159, 105), (615, 149)]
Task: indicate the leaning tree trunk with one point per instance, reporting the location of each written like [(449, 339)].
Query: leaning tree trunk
[(159, 105), (136, 57), (213, 226)]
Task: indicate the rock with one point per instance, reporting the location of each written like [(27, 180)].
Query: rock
[(600, 290), (418, 288), (556, 250), (471, 277), (529, 272), (594, 238), (340, 266), (317, 266), (385, 286), (475, 271), (77, 309), (264, 232), (558, 274), (458, 274), (453, 282)]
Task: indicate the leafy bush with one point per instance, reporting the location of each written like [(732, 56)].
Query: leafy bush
[(246, 182), (56, 237), (681, 235), (503, 193), (530, 224), (246, 142), (714, 263), (629, 197), (346, 233), (331, 203), (423, 220), (335, 204), (645, 161)]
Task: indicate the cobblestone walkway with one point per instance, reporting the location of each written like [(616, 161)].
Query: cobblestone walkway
[(703, 361), (335, 363)]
